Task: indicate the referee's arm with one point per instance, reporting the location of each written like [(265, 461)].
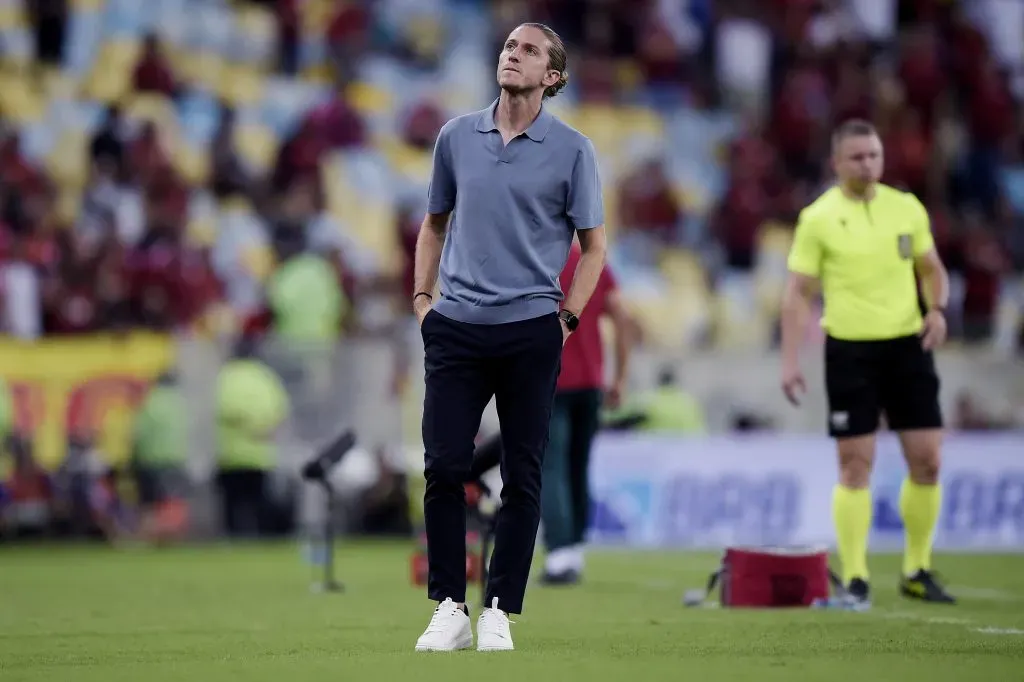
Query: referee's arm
[(934, 279), (804, 264)]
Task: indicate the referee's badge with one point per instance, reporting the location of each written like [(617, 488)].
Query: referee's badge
[(906, 246)]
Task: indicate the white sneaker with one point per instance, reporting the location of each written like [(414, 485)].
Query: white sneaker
[(492, 632), (449, 629)]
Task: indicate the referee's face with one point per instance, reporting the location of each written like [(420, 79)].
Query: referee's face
[(858, 161)]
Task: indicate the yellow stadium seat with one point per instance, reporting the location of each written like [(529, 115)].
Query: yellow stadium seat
[(193, 164), (640, 121), (68, 161), (241, 85), (407, 161), (628, 75), (256, 145), (201, 231), (258, 25), (20, 101), (111, 75), (57, 83), (257, 260), (316, 15), (12, 16), (87, 5), (338, 191), (69, 203), (369, 99), (684, 268), (209, 69)]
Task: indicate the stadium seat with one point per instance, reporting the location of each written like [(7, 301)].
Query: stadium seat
[(256, 144), (192, 162), (20, 100), (111, 74), (254, 40), (239, 84), (68, 160)]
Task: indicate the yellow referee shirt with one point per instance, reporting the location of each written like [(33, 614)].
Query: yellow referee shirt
[(863, 253)]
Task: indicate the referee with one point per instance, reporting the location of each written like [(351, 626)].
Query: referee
[(516, 184), (865, 242)]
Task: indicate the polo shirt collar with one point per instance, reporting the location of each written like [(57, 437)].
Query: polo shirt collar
[(536, 132)]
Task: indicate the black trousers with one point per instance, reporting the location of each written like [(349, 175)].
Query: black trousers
[(565, 502), (466, 364), (243, 501)]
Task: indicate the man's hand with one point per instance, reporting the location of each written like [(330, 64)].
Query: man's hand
[(565, 331), (933, 334), (421, 306), (793, 383), (613, 396)]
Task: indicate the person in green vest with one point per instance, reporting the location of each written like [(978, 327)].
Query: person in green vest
[(303, 293), (668, 409), (159, 458), (6, 410), (251, 405)]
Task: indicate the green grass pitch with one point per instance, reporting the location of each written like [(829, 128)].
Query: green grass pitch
[(246, 613)]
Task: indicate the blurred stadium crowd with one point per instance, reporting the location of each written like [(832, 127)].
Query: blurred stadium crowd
[(166, 164)]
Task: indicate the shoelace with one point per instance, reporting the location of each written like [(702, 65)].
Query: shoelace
[(444, 611), (494, 614)]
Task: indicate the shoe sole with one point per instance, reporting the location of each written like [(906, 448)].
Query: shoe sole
[(926, 600), (495, 648), (461, 645)]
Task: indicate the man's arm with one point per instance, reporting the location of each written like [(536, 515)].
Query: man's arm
[(440, 202), (593, 250), (796, 308), (429, 243), (585, 208), (934, 279), (624, 328)]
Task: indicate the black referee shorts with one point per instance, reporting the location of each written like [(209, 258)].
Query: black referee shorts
[(864, 379)]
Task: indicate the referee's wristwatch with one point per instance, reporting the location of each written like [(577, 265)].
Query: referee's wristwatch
[(571, 321)]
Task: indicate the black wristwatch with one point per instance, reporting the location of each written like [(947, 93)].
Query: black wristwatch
[(571, 321)]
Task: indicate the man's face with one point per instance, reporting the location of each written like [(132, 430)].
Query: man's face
[(523, 62), (858, 160)]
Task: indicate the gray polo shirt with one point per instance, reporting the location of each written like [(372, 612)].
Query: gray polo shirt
[(514, 212)]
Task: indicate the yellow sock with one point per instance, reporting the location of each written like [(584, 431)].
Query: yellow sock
[(919, 507), (851, 513)]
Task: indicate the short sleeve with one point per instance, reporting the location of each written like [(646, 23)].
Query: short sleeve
[(585, 205), (441, 192), (806, 253), (922, 230)]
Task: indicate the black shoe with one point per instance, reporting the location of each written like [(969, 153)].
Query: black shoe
[(569, 577), (925, 586), (860, 590)]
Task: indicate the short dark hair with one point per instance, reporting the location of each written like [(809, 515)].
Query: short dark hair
[(855, 127), (557, 57)]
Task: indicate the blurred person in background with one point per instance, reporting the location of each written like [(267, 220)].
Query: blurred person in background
[(304, 295), (159, 458), (252, 404), (575, 414), (667, 409), (26, 491), (86, 495)]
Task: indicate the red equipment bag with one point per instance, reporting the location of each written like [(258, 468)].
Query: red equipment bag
[(773, 577)]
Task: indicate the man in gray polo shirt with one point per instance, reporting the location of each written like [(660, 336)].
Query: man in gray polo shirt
[(516, 184)]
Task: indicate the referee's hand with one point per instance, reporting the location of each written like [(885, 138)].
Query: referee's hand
[(793, 384), (933, 333)]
